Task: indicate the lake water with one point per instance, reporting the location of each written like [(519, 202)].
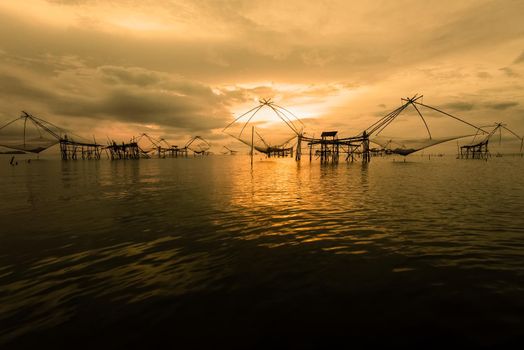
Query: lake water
[(211, 252)]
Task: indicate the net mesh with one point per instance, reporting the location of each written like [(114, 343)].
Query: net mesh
[(29, 135), (267, 127)]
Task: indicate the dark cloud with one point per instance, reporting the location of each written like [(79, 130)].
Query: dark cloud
[(458, 106), (127, 94), (501, 105), (156, 108), (510, 72), (130, 76), (162, 109), (15, 87), (484, 75)]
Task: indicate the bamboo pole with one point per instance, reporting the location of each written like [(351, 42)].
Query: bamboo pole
[(252, 143)]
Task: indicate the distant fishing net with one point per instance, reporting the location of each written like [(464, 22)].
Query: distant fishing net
[(29, 134), (496, 135), (198, 145)]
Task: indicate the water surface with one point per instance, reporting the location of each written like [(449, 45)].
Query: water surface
[(200, 251)]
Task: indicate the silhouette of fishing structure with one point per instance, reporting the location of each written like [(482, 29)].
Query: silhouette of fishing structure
[(129, 150), (34, 135), (150, 147), (160, 147), (331, 147), (48, 135), (198, 145), (148, 144), (283, 149), (478, 147), (72, 150), (407, 147), (170, 151), (328, 147), (229, 151), (39, 134)]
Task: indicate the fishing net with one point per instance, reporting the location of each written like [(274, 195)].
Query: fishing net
[(407, 146), (147, 144), (198, 145), (268, 127), (500, 138), (426, 126), (29, 134)]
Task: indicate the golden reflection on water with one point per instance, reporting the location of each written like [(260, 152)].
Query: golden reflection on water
[(298, 201), (401, 203), (136, 231)]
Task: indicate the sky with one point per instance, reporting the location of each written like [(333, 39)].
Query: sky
[(176, 69)]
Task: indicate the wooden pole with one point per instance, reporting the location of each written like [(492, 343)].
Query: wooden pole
[(299, 148), (252, 143)]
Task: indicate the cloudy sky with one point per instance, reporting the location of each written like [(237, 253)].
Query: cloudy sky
[(174, 69)]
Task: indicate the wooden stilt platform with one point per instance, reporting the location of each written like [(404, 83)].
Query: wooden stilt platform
[(124, 150), (476, 151), (329, 147), (71, 150)]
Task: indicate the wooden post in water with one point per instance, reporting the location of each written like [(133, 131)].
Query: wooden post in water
[(252, 143), (365, 147), (299, 148)]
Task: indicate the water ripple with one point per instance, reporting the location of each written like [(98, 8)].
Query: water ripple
[(131, 233)]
